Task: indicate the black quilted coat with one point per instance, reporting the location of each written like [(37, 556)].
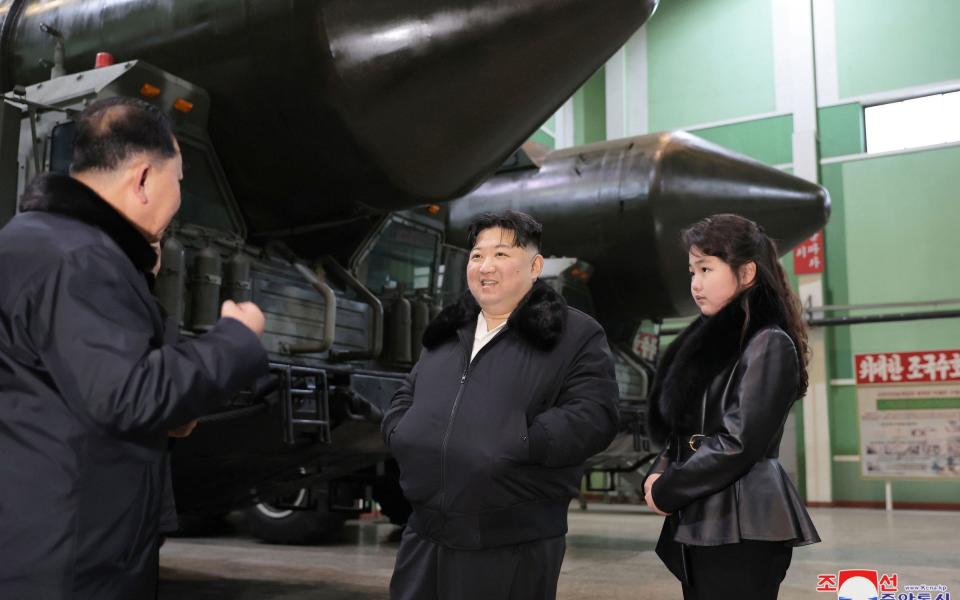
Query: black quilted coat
[(491, 450), (88, 390)]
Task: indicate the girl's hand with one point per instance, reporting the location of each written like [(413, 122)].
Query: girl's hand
[(648, 494), (184, 430)]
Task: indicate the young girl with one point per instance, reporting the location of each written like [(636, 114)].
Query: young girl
[(723, 390)]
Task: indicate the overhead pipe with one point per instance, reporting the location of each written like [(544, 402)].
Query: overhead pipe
[(887, 318)]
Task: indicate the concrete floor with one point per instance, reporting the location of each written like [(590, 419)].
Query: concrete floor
[(609, 556)]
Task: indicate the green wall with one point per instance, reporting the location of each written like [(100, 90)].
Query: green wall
[(544, 138), (892, 228), (709, 61), (589, 110), (901, 233), (839, 356), (841, 130), (589, 115), (889, 44), (894, 218), (767, 140), (892, 232), (546, 135)]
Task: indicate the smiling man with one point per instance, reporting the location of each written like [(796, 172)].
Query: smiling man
[(514, 391)]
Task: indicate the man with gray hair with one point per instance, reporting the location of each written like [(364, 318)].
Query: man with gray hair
[(514, 391), (90, 388)]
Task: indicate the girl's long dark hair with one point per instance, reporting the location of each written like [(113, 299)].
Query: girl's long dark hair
[(737, 241)]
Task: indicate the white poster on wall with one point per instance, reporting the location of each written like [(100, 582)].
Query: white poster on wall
[(909, 431)]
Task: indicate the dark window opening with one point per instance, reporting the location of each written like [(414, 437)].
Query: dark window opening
[(404, 257), (202, 201)]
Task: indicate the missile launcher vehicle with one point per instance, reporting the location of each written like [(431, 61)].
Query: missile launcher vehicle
[(323, 142)]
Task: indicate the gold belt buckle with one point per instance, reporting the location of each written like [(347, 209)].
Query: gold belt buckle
[(693, 440)]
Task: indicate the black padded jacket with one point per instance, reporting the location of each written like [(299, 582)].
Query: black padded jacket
[(491, 450), (89, 387)]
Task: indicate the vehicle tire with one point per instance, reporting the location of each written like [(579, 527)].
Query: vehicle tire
[(281, 525)]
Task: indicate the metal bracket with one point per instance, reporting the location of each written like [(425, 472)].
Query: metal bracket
[(304, 402)]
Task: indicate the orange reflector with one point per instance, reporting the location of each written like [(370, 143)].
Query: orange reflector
[(183, 106), (149, 91), (433, 209)]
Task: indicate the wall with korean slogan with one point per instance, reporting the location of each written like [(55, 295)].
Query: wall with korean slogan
[(894, 217), (893, 231), (723, 71)]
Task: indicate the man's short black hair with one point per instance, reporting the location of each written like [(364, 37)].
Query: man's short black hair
[(111, 130), (526, 230)]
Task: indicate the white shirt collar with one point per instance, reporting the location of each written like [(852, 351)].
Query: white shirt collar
[(481, 332)]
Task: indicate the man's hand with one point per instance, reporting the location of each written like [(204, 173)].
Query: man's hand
[(184, 430), (247, 313), (648, 493)]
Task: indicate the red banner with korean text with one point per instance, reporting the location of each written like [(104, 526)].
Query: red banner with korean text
[(930, 366), (808, 257), (646, 345)]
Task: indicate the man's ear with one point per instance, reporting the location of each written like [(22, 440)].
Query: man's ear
[(537, 266), (748, 274), (139, 173)]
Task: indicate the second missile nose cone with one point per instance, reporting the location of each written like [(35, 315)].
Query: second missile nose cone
[(621, 206), (699, 178)]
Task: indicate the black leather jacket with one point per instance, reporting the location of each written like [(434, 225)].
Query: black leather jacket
[(727, 486)]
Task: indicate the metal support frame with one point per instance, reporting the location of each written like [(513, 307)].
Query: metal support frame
[(293, 399), (10, 119), (812, 321), (889, 318), (816, 317), (376, 345)]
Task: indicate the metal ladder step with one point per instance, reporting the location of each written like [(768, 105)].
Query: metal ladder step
[(304, 403)]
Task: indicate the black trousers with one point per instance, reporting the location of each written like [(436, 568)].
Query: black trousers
[(749, 570), (429, 571)]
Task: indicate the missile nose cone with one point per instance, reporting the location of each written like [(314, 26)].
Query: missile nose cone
[(827, 204), (385, 104), (469, 81), (700, 178), (621, 206)]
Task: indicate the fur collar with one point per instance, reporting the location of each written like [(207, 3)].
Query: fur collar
[(539, 318), (63, 195), (704, 350)]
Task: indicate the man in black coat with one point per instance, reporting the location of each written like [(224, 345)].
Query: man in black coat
[(513, 392), (89, 390)]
